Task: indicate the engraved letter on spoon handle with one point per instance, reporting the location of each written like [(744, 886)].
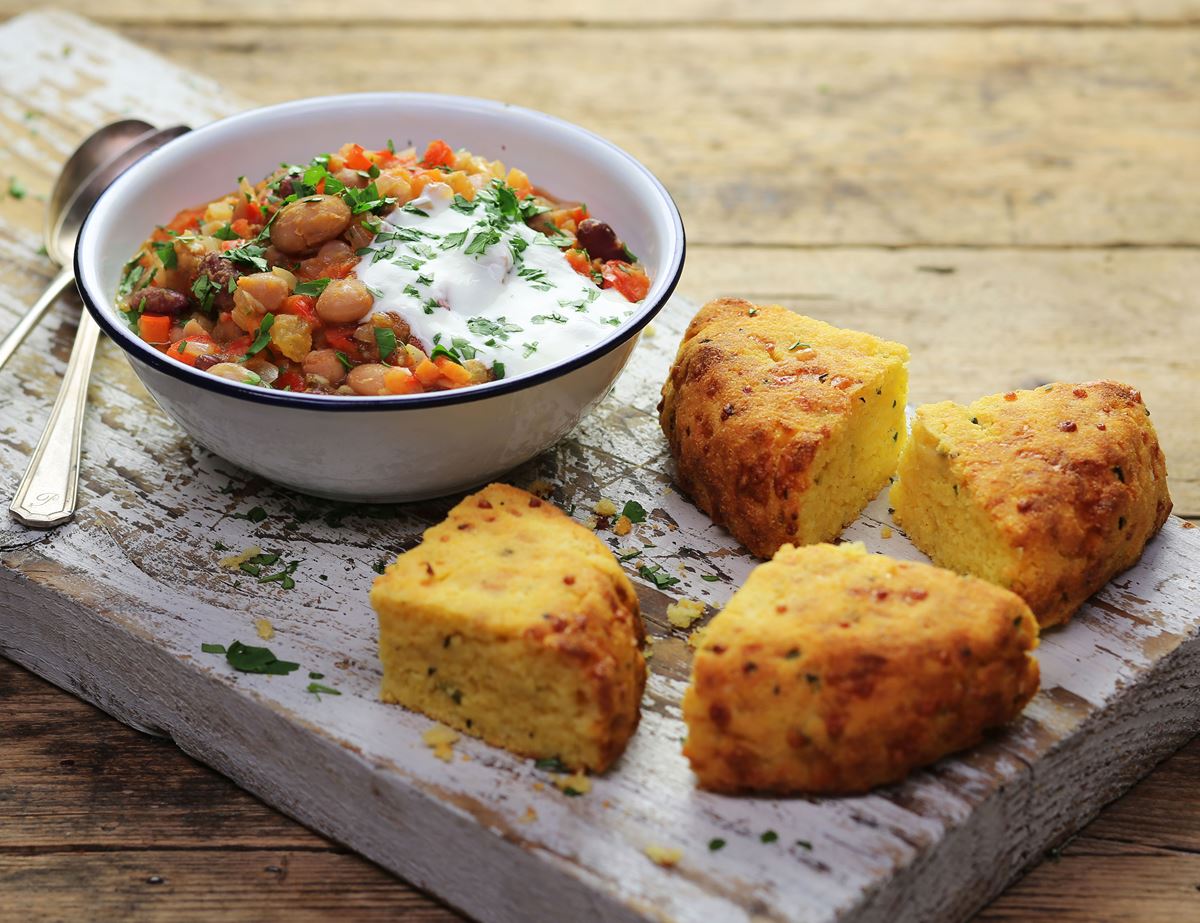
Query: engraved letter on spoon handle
[(15, 336), (46, 495)]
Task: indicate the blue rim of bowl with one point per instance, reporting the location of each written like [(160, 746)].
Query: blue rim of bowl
[(156, 360)]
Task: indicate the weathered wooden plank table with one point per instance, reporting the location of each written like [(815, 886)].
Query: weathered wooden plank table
[(1012, 198)]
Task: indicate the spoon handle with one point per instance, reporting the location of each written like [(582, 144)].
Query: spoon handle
[(9, 344), (46, 496)]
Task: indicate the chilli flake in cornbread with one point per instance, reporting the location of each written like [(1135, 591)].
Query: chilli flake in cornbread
[(513, 623), (1049, 492), (782, 427), (833, 670)]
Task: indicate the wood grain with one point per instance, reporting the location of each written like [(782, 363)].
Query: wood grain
[(621, 15), (987, 80), (1001, 137), (116, 811)]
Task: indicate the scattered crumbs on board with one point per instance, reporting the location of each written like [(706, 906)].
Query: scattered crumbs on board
[(885, 532), (541, 488), (528, 817), (572, 785), (441, 740), (265, 629), (648, 650), (605, 508), (623, 526), (235, 561), (683, 613), (696, 638), (666, 856)]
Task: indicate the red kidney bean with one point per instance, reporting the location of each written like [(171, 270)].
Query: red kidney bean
[(155, 300), (600, 240)]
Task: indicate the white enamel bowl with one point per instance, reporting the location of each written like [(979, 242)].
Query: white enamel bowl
[(404, 447)]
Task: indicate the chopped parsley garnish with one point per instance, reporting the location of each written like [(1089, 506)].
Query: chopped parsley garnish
[(165, 251), (344, 360), (629, 555), (449, 353), (580, 304), (224, 233), (463, 205), (457, 239), (486, 327), (536, 277), (769, 836), (715, 844), (463, 347), (16, 188), (482, 240), (254, 514), (264, 335), (529, 349), (709, 578), (497, 370), (656, 575), (551, 764), (553, 318), (248, 254), (318, 690), (385, 339), (799, 344), (634, 511), (213, 648), (312, 675), (249, 659), (313, 287), (804, 844), (368, 199), (379, 566), (204, 292)]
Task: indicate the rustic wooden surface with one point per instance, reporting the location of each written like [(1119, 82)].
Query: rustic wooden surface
[(1048, 266)]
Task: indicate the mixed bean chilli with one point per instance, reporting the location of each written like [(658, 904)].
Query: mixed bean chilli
[(380, 272)]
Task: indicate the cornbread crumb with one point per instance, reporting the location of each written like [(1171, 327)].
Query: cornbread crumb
[(541, 488), (648, 650), (539, 786), (666, 856), (605, 508), (528, 817), (623, 526), (234, 561), (265, 629), (650, 330), (441, 740), (885, 532), (576, 784), (696, 638), (681, 614)]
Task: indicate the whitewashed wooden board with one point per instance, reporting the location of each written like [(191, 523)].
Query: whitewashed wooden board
[(114, 607)]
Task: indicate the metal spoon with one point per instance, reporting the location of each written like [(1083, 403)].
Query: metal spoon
[(48, 492), (66, 209)]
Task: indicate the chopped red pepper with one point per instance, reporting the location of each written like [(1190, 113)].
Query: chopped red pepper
[(438, 154), (631, 282), (356, 159)]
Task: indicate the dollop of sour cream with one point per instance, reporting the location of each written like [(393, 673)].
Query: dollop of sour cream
[(474, 279)]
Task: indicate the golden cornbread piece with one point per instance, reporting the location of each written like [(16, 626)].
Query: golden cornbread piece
[(833, 671), (1049, 492), (782, 427), (515, 624)]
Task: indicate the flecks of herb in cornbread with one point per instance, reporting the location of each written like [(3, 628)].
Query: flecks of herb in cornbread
[(833, 670), (513, 623)]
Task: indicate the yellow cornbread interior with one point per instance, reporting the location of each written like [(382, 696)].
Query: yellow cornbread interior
[(935, 506), (782, 427), (513, 623), (833, 670), (860, 454)]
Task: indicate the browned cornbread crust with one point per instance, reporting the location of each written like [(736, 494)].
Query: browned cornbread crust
[(514, 623), (833, 670), (1049, 492), (782, 427)]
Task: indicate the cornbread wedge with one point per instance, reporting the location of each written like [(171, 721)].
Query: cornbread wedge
[(782, 427), (833, 671), (513, 623), (1049, 492)]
